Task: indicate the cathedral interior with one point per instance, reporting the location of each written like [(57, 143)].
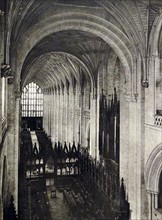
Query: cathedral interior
[(81, 109)]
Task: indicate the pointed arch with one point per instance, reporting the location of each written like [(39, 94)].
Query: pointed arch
[(77, 21), (154, 36), (153, 169)]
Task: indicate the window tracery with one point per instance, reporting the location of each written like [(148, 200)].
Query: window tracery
[(32, 101)]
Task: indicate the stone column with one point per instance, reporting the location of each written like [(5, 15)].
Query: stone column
[(156, 200), (43, 109), (17, 144), (63, 116), (82, 120), (131, 153), (12, 144), (57, 115), (68, 117), (151, 94), (132, 144), (45, 113), (49, 112), (70, 132), (74, 113), (77, 116), (52, 117), (150, 205), (94, 127), (155, 83)]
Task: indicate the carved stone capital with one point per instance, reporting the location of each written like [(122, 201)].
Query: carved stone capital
[(6, 71)]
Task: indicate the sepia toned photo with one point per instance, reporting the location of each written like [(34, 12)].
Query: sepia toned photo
[(81, 110)]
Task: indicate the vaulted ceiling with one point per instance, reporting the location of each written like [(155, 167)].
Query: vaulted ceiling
[(68, 57), (64, 58), (60, 59)]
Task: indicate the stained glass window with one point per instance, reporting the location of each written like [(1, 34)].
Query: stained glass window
[(32, 101)]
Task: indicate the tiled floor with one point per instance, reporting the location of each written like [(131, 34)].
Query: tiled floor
[(34, 140)]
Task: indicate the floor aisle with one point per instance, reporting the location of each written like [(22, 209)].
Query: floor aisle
[(58, 208), (34, 139)]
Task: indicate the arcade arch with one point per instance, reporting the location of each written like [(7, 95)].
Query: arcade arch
[(153, 170)]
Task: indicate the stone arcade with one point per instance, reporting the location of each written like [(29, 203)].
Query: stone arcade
[(81, 102)]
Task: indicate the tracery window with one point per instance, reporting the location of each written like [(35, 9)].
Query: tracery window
[(32, 101)]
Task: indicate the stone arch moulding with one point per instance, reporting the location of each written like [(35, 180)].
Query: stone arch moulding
[(36, 61), (153, 169), (154, 64), (154, 36), (77, 21)]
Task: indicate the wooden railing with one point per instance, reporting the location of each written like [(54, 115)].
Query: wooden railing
[(100, 181), (104, 185)]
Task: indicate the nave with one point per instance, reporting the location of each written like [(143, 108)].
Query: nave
[(64, 182)]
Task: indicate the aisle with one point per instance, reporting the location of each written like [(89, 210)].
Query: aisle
[(34, 139), (58, 208)]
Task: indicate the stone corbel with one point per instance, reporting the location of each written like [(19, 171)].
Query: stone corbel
[(6, 72), (145, 83)]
